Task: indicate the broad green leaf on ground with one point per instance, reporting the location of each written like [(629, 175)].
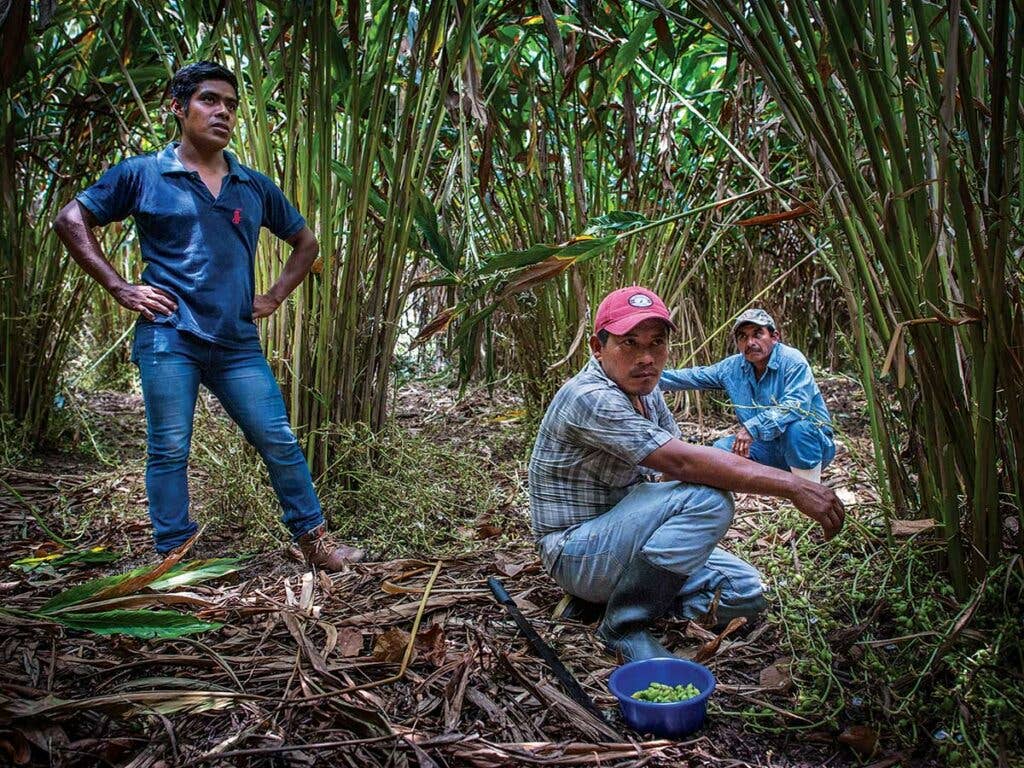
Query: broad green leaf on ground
[(145, 624), (84, 592), (198, 571), (176, 575), (84, 556)]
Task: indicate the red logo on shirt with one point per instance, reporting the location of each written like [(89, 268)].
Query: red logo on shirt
[(237, 218)]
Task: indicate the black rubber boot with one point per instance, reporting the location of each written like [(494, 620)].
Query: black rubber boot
[(572, 608), (644, 593)]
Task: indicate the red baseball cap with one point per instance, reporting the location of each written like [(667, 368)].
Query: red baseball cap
[(624, 309)]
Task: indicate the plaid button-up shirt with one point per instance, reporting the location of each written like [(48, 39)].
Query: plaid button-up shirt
[(589, 449)]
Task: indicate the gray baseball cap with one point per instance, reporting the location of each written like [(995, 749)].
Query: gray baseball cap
[(753, 315)]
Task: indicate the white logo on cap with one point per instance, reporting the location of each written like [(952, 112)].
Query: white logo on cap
[(640, 300)]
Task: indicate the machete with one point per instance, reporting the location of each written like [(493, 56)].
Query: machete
[(572, 688)]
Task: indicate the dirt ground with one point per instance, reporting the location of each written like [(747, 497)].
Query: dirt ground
[(294, 679)]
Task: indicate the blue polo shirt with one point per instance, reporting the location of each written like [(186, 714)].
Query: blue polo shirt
[(197, 248), (787, 391)]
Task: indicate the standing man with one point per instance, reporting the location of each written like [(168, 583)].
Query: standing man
[(606, 532), (783, 419), (198, 214)]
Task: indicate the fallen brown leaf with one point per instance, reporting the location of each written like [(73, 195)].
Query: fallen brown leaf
[(860, 738), (430, 645), (390, 646), (709, 649), (777, 675), (910, 527), (488, 531), (506, 566), (350, 642)]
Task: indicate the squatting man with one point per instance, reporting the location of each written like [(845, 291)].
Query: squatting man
[(783, 419), (198, 214), (606, 532)]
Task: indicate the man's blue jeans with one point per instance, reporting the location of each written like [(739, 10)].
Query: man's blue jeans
[(802, 445), (172, 365), (673, 525)]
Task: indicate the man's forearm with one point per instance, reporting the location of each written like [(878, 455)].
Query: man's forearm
[(697, 377), (710, 466), (714, 467), (75, 232), (296, 267)]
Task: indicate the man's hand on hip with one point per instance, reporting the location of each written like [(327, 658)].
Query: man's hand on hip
[(820, 503), (741, 446), (264, 305), (145, 299)]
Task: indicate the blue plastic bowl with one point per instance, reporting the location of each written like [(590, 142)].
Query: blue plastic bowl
[(671, 720)]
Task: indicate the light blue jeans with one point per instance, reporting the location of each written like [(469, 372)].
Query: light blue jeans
[(674, 525), (802, 445), (172, 365)]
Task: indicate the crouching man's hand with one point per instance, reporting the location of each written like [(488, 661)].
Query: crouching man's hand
[(741, 446), (820, 503)]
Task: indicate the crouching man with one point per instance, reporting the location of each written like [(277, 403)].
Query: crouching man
[(198, 214), (783, 419), (606, 532)]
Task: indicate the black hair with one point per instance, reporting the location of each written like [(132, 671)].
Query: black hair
[(188, 78), (602, 336)]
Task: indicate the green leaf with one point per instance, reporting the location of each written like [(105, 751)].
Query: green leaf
[(144, 624), (191, 572), (378, 203), (426, 219), (84, 591), (92, 555), (617, 221), (198, 571), (582, 247), (624, 59)]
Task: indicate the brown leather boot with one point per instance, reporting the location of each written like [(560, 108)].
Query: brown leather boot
[(321, 551)]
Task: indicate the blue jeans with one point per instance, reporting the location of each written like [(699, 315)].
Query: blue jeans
[(802, 445), (673, 525), (172, 364)]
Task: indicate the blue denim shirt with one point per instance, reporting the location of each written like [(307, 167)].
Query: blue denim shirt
[(786, 392), (198, 248)]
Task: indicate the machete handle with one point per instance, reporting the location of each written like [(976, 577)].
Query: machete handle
[(498, 589)]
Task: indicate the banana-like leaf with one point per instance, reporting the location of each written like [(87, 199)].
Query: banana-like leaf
[(198, 571), (146, 600), (80, 557), (579, 248), (617, 221), (145, 624), (625, 59), (156, 577)]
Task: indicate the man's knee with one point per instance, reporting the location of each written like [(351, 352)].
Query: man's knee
[(716, 505), (725, 506), (802, 431), (275, 443), (802, 444), (169, 447)]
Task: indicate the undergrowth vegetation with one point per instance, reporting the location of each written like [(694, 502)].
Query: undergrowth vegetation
[(872, 634), (397, 492)]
